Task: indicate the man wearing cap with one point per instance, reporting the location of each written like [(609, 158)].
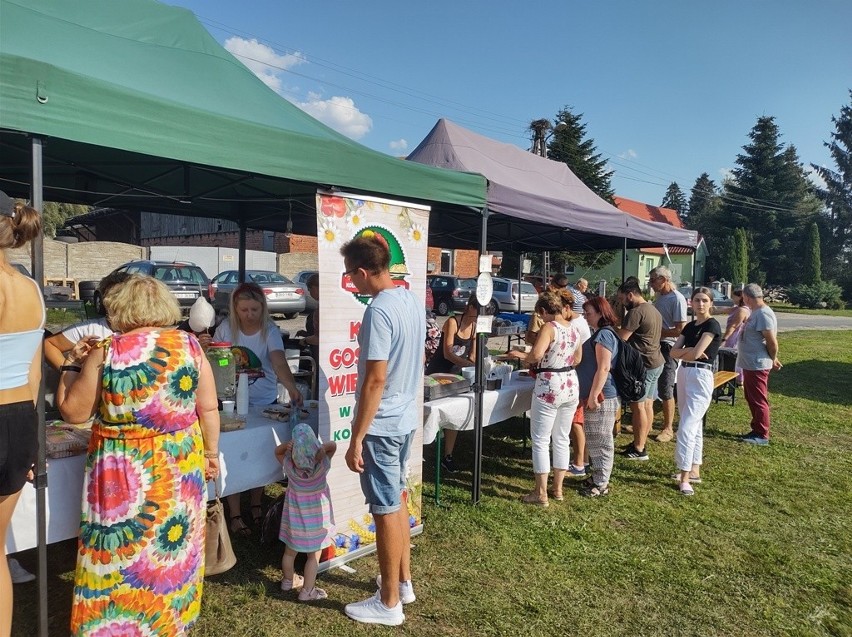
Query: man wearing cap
[(757, 356), (672, 307)]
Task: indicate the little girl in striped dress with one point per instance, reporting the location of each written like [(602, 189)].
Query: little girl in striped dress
[(307, 519)]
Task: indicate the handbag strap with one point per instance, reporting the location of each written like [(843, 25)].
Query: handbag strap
[(216, 489)]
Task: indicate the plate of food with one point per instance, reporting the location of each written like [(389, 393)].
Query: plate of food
[(282, 412)]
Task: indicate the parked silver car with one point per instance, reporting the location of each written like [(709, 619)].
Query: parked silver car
[(505, 297), (282, 295), (721, 303)]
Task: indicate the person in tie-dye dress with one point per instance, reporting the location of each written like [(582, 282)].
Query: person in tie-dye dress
[(140, 558)]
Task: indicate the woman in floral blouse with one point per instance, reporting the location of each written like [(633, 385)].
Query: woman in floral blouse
[(555, 353)]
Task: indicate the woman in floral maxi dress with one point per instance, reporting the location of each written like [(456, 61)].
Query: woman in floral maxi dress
[(556, 352), (140, 560)]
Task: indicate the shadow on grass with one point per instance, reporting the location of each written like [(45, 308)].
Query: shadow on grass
[(823, 381)]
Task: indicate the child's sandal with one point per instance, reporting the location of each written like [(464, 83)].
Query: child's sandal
[(312, 594), (238, 526), (290, 584)]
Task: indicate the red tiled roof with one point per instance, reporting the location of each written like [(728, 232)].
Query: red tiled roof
[(652, 213), (648, 212)]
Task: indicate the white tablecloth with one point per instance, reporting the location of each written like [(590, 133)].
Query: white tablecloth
[(457, 412), (247, 460)]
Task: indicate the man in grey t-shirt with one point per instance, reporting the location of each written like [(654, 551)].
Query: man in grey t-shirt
[(757, 355), (672, 307)]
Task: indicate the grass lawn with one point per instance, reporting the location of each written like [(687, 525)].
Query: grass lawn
[(763, 548)]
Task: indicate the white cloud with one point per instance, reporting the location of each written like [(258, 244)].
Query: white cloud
[(399, 145), (628, 154), (263, 61), (338, 112)]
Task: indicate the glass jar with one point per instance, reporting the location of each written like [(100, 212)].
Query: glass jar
[(224, 366)]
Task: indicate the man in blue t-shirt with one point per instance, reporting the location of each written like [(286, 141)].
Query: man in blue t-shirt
[(390, 378)]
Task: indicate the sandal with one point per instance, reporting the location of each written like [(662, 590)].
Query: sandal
[(693, 479), (556, 495), (238, 526), (532, 498), (594, 492), (290, 584), (257, 519), (312, 595), (686, 489)]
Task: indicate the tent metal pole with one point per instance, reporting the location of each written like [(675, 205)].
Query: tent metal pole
[(624, 261), (479, 383), (40, 482), (241, 262)]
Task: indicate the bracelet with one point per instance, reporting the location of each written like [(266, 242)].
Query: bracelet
[(211, 454), (70, 368)]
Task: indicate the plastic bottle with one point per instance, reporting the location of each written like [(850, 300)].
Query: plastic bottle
[(242, 395), (224, 368)]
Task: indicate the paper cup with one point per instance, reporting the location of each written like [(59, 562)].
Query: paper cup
[(228, 407)]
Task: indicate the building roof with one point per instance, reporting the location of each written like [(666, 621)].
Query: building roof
[(653, 213)]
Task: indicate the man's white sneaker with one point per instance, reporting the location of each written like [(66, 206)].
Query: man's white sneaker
[(19, 574), (406, 590), (373, 611)]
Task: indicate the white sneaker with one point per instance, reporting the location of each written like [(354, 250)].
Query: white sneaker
[(406, 590), (373, 611), (19, 574)]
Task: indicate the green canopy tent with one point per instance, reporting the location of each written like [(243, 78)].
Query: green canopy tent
[(134, 105), (141, 108)]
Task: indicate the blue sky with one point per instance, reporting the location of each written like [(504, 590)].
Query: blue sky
[(668, 89)]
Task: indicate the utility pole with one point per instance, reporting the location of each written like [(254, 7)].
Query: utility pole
[(539, 128)]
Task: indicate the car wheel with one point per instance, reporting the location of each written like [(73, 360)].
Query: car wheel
[(443, 308), (291, 315), (493, 308), (98, 302)]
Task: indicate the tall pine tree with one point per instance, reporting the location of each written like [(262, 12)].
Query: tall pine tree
[(811, 266), (676, 200), (769, 196), (570, 145), (703, 217), (837, 195)]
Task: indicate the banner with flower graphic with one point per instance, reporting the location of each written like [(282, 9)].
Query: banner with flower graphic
[(403, 228)]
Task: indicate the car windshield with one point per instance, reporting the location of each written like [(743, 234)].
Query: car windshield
[(168, 273), (527, 288), (467, 284)]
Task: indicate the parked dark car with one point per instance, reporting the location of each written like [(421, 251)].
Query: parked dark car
[(282, 295), (302, 279), (51, 292), (185, 280), (450, 293)]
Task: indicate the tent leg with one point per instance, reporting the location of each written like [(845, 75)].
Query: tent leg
[(624, 261), (40, 482), (479, 385), (242, 256)]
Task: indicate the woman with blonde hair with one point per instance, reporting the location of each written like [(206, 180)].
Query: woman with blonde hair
[(155, 442), (249, 326), (555, 397), (21, 333)]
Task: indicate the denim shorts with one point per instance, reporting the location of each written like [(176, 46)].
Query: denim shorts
[(668, 377), (383, 479), (651, 378)]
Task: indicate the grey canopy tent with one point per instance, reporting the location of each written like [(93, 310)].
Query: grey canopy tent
[(534, 203)]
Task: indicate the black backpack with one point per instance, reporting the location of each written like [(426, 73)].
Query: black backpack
[(628, 371)]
